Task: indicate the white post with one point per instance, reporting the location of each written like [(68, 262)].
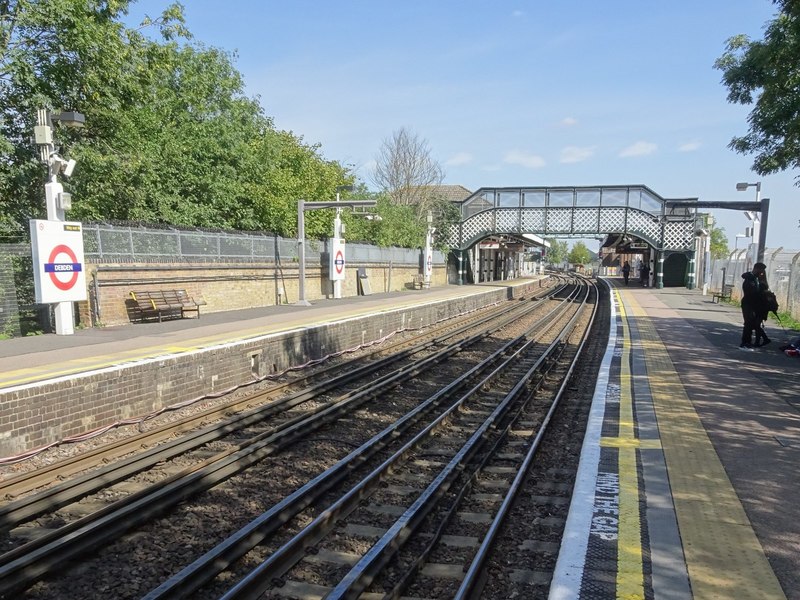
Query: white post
[(428, 266), (65, 324), (337, 235), (301, 247)]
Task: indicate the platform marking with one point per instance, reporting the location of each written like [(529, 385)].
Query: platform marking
[(630, 567), (571, 562)]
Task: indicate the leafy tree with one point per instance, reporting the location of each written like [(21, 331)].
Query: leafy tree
[(579, 255), (767, 73), (557, 253), (719, 243)]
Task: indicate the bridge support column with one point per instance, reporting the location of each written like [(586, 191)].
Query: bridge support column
[(659, 269), (691, 280), (461, 259)]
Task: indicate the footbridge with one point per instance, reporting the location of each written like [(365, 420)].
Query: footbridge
[(622, 214)]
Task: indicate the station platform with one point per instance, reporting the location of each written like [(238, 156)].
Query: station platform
[(690, 468)]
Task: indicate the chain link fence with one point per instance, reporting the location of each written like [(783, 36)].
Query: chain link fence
[(104, 243), (783, 275)]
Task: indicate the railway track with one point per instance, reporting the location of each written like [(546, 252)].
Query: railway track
[(443, 412)]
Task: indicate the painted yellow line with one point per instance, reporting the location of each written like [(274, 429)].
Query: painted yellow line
[(630, 566), (612, 442)]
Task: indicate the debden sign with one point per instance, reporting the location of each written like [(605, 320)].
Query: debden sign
[(58, 266)]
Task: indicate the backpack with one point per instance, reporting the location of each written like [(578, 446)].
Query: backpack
[(770, 302)]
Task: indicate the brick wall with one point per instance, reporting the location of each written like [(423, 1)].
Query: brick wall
[(228, 286), (37, 414)]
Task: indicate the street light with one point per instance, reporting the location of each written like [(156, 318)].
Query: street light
[(57, 201), (754, 216)]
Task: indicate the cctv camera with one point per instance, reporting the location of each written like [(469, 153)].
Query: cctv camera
[(69, 167)]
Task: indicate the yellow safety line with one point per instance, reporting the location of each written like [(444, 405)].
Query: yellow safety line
[(723, 555), (630, 566)]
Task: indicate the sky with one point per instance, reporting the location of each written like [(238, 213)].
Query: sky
[(518, 93)]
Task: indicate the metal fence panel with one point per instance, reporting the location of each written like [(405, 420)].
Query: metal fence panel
[(105, 243)]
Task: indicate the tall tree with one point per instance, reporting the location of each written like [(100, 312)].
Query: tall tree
[(557, 253), (766, 73), (579, 254), (406, 170)]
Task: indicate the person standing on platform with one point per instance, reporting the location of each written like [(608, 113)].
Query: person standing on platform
[(753, 306), (644, 272), (762, 310), (626, 271)]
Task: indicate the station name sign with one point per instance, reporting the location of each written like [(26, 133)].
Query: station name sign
[(58, 265)]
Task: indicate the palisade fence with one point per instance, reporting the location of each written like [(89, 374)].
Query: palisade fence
[(104, 243), (783, 275)]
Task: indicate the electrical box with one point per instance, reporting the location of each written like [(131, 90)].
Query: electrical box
[(43, 134), (64, 201)]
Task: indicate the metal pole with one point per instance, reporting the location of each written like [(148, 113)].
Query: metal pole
[(301, 241), (762, 237)]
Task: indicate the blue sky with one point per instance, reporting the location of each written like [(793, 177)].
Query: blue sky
[(510, 93)]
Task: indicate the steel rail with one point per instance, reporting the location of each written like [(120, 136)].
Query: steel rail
[(473, 575), (258, 580), (361, 575)]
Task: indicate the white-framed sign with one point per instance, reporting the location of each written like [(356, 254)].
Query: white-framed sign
[(58, 266), (337, 259)]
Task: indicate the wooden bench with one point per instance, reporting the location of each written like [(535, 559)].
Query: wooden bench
[(419, 282), (725, 294), (165, 303)]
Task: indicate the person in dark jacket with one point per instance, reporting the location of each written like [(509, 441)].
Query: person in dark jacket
[(762, 308), (626, 271), (753, 306)]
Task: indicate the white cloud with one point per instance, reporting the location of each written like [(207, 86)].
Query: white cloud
[(689, 146), (639, 149), (517, 14), (575, 154), (458, 159), (569, 121), (525, 159)]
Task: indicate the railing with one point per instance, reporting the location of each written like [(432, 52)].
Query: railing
[(783, 276), (105, 243)]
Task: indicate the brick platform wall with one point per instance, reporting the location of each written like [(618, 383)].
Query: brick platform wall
[(228, 286), (34, 415)]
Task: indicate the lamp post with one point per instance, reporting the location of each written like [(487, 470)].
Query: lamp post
[(756, 250), (57, 201), (736, 243)]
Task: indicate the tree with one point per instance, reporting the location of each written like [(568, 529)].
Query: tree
[(406, 171), (719, 243), (557, 253), (579, 255), (767, 73)]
